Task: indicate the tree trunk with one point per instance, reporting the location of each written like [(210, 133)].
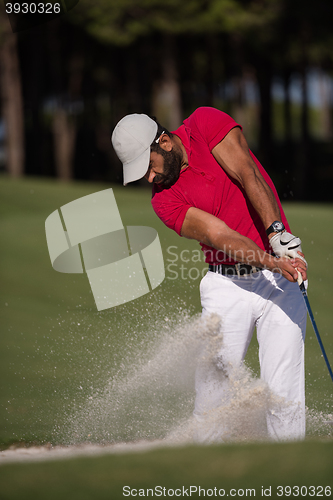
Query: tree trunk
[(288, 129), (166, 103), (303, 171), (12, 101), (264, 75), (305, 149), (237, 80), (34, 92), (133, 98), (64, 133), (287, 110), (211, 45), (63, 125), (325, 104)]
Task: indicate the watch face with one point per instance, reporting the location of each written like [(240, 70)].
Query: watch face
[(278, 226)]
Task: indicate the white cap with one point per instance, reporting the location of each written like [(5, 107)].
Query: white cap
[(131, 140)]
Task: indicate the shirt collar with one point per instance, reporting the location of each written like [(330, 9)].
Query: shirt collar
[(184, 134)]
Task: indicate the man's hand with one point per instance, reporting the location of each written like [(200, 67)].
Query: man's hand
[(301, 265), (289, 267), (285, 245)]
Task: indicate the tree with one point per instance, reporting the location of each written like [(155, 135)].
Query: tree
[(11, 97), (124, 22), (306, 42), (63, 122)]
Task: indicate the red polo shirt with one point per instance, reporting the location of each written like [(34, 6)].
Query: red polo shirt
[(205, 185)]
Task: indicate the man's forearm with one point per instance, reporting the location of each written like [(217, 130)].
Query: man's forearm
[(215, 233), (261, 197), (233, 154), (242, 249), (211, 231)]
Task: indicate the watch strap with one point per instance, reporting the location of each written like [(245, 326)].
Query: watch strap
[(272, 228)]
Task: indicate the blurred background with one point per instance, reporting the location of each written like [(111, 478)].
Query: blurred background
[(268, 63)]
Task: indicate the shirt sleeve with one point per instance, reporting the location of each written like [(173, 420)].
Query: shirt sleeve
[(214, 125), (170, 209)]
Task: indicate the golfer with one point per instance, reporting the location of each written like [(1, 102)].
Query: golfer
[(208, 186)]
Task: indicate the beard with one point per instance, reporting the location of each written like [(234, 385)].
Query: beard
[(171, 167)]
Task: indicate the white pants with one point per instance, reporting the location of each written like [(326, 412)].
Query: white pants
[(276, 307)]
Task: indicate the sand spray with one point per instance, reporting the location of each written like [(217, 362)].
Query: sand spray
[(152, 395)]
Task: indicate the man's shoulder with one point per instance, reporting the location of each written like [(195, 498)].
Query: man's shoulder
[(206, 117), (206, 112)]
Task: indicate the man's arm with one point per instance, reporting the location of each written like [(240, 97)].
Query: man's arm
[(232, 153), (211, 231)]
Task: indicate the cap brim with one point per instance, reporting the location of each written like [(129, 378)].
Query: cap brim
[(136, 169)]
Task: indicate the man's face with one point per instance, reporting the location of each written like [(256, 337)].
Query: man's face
[(164, 167)]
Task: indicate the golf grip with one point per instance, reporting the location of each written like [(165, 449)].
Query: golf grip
[(299, 278)]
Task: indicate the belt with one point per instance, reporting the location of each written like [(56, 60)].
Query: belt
[(234, 269)]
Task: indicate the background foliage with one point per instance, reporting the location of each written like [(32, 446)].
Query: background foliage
[(66, 83)]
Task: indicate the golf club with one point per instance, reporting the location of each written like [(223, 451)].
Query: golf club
[(307, 303)]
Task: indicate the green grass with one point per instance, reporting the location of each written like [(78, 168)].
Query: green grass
[(237, 467), (53, 339), (56, 349)]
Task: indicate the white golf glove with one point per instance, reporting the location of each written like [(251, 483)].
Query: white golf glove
[(286, 245)]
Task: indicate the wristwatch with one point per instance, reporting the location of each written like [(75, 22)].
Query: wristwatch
[(275, 227)]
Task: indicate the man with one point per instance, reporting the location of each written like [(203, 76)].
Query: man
[(208, 186)]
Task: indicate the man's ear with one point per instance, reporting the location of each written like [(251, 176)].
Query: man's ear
[(165, 142)]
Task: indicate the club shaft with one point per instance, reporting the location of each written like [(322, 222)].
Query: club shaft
[(307, 303)]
